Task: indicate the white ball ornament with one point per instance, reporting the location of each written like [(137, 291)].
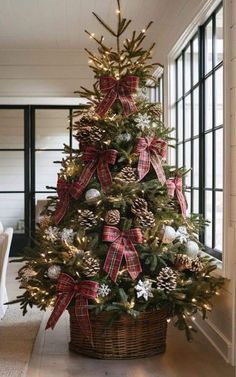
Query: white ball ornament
[(192, 249), (54, 272), (169, 234), (92, 195)]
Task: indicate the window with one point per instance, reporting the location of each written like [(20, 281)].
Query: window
[(156, 93), (199, 126)]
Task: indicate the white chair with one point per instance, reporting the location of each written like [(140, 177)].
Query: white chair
[(5, 245), (1, 228)]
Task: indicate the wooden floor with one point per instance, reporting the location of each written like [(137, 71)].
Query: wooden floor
[(51, 358)]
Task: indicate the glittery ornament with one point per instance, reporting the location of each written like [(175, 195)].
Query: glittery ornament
[(51, 233), (54, 272), (143, 121), (182, 234), (103, 290), (92, 195), (192, 249), (67, 235), (169, 234), (144, 289)]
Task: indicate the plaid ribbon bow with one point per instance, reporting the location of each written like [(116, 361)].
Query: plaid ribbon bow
[(122, 244), (67, 289), (95, 160), (175, 185), (65, 191), (121, 89), (151, 150)]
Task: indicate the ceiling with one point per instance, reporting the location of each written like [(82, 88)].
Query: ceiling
[(60, 24)]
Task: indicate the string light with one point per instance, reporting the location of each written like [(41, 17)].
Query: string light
[(168, 320), (194, 300), (92, 35), (143, 31), (117, 11)]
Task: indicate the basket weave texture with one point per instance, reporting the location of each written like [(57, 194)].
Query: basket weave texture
[(126, 338)]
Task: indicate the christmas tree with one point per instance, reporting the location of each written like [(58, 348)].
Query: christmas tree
[(116, 237)]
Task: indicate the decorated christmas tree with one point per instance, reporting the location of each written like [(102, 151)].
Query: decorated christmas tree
[(116, 239)]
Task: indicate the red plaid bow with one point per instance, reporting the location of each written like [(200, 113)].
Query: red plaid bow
[(151, 150), (175, 185), (65, 191), (121, 89), (122, 244), (67, 288), (96, 160)]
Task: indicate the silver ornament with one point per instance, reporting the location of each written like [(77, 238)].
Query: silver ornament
[(192, 249), (92, 195), (169, 234), (54, 272)]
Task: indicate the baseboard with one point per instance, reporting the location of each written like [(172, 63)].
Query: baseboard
[(216, 338)]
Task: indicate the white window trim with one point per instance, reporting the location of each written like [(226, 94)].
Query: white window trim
[(224, 268)]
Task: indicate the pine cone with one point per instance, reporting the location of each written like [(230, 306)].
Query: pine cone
[(126, 175), (146, 220), (112, 217), (166, 280), (139, 206), (89, 134), (73, 250), (182, 262), (90, 266), (87, 219), (196, 265)]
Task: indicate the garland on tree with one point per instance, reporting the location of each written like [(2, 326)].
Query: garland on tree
[(116, 237)]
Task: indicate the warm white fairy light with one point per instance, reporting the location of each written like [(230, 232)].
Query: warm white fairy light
[(143, 31), (194, 300), (117, 11), (168, 320)]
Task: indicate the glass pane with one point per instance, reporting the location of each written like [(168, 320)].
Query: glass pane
[(40, 202), (11, 171), (208, 103), (180, 77), (208, 216), (208, 47), (208, 160), (188, 163), (196, 112), (11, 128), (219, 221), (196, 163), (195, 201), (160, 90), (46, 170), (12, 211), (219, 158), (219, 97), (180, 121), (219, 37), (51, 128), (187, 70), (180, 155), (187, 120), (188, 199), (195, 61)]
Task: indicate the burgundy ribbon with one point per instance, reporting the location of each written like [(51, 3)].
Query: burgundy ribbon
[(95, 160), (122, 245), (151, 150), (67, 289), (121, 89), (175, 185)]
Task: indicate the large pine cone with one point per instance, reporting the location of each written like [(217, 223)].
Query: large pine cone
[(112, 217), (182, 262), (87, 219), (196, 265), (126, 175), (89, 134), (90, 266), (166, 280), (146, 219), (139, 206)]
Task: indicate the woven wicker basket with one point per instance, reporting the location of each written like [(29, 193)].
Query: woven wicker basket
[(127, 338)]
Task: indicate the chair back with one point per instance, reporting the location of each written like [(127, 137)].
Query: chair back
[(5, 245)]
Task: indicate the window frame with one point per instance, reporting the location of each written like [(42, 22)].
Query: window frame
[(224, 267)]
